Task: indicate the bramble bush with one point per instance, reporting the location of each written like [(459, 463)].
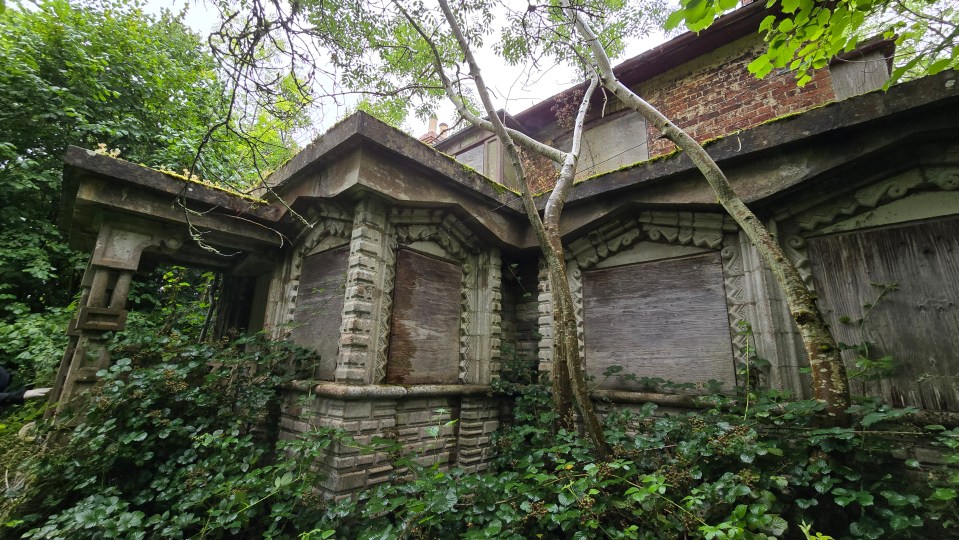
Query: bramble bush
[(714, 474)]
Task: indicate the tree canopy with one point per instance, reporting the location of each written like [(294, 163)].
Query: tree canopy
[(804, 35), (105, 75)]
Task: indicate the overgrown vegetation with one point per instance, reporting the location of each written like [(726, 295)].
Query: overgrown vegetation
[(181, 441), (104, 75), (181, 438)]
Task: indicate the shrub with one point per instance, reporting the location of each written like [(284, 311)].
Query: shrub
[(179, 441)]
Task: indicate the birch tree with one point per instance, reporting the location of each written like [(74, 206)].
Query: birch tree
[(830, 383), (568, 380), (401, 51)]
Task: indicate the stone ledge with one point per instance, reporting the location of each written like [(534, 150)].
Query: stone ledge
[(352, 392)]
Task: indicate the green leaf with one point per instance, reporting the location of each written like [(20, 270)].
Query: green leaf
[(284, 480), (674, 19), (760, 67), (943, 494), (493, 528), (939, 65)]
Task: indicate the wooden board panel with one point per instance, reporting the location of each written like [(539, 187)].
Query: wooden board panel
[(917, 324), (319, 307), (425, 332), (663, 319)]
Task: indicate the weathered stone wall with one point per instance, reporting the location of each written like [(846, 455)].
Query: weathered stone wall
[(444, 425), (413, 360)]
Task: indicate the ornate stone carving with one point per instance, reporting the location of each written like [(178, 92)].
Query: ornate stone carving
[(796, 250), (575, 276), (857, 201), (545, 318), (491, 305), (386, 312), (734, 281), (677, 228), (367, 288)]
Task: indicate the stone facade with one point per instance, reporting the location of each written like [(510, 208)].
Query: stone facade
[(417, 280)]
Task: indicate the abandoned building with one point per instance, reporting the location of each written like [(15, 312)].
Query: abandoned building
[(415, 278)]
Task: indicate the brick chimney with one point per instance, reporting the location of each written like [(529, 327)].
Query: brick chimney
[(430, 137)]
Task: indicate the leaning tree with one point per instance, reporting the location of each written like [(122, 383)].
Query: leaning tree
[(398, 52)]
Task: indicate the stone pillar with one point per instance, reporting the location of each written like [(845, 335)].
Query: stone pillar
[(545, 319), (102, 308), (482, 323), (366, 312)]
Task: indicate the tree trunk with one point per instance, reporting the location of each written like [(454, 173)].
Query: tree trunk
[(566, 345), (830, 383)]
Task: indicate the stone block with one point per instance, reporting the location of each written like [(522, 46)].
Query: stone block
[(358, 409)]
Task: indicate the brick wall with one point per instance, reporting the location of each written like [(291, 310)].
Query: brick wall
[(715, 94)]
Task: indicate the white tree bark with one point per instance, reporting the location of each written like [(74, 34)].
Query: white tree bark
[(830, 383), (569, 382)]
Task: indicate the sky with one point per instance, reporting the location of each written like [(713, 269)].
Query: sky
[(512, 86)]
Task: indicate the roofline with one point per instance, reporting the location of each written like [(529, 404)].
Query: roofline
[(508, 119), (877, 106), (362, 129), (661, 58)]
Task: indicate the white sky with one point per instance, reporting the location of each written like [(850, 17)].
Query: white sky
[(512, 86)]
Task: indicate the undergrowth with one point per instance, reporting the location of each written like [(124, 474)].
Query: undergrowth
[(180, 441)]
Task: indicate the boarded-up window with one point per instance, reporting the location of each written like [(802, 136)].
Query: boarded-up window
[(319, 307), (917, 324), (494, 161), (859, 75), (424, 336), (664, 319)]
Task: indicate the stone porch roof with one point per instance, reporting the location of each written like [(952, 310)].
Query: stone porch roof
[(361, 155)]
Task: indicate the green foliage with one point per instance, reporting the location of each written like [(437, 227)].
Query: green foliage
[(707, 474), (539, 31), (180, 441), (32, 343), (806, 35), (102, 75)]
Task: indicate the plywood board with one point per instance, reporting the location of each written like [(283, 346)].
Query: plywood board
[(917, 324), (425, 331), (319, 307), (664, 319)]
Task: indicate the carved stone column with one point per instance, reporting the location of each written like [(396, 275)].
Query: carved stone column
[(754, 296), (366, 311), (102, 307)]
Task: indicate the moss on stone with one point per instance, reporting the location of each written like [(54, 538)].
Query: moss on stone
[(629, 166), (210, 185)]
